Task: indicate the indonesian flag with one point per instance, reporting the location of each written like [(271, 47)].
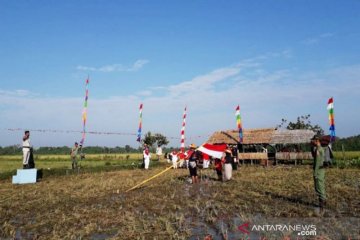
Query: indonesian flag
[(215, 151)]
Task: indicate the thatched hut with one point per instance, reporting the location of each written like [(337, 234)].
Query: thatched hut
[(261, 139)]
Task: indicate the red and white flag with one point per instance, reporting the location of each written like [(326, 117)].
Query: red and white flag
[(215, 151)]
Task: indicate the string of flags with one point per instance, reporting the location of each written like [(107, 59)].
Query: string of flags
[(93, 132)]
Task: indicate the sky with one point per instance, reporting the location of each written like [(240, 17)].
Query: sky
[(276, 59)]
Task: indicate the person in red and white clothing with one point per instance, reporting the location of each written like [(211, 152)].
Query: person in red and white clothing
[(147, 156), (174, 159), (206, 160)]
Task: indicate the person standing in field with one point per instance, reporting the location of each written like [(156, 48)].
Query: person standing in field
[(227, 165), (147, 156), (74, 156), (174, 159), (193, 159), (206, 160), (82, 154), (28, 160), (159, 152), (218, 168), (234, 152), (319, 173)]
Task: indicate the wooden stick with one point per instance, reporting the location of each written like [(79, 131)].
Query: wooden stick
[(147, 180)]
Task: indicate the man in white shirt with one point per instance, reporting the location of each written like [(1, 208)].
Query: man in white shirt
[(26, 148), (174, 158), (159, 152)]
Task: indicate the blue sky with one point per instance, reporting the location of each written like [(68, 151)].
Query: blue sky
[(277, 59)]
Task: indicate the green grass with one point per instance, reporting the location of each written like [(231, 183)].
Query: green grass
[(347, 155), (61, 164)]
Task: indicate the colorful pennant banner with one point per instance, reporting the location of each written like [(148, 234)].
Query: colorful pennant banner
[(330, 109), (140, 123), (239, 124), (84, 112)]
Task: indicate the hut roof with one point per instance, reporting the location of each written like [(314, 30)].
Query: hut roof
[(262, 136), (282, 136)]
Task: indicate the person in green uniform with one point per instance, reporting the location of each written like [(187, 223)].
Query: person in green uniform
[(74, 156), (319, 173)]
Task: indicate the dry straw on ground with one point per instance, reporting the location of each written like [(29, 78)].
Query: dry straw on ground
[(95, 206)]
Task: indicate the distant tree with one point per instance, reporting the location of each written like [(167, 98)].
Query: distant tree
[(127, 148), (161, 140), (350, 143), (149, 139), (11, 150), (157, 138), (302, 122)]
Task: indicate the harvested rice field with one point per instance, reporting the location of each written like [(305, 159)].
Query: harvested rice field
[(255, 204)]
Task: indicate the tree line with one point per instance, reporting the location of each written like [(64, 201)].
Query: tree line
[(152, 140), (303, 122), (16, 150), (157, 139)]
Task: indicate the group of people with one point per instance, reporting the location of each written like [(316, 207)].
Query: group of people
[(28, 156), (193, 159), (75, 152)]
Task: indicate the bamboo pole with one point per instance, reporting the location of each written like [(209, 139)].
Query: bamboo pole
[(147, 180)]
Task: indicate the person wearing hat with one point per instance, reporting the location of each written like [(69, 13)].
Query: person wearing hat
[(319, 172), (193, 159), (73, 155), (227, 165), (188, 154)]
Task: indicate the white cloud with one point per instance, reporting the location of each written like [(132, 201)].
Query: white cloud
[(136, 66), (17, 92), (265, 96), (317, 39), (144, 93)]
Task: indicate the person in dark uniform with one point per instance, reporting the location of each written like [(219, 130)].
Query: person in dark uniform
[(235, 155), (319, 173), (193, 161)]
